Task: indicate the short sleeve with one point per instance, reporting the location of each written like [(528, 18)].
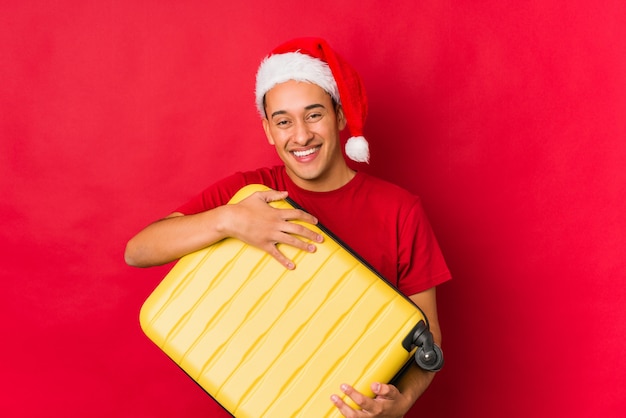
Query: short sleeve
[(421, 264)]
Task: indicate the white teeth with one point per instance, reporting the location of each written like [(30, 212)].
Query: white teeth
[(301, 154)]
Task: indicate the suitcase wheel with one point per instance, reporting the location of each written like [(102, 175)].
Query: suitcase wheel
[(429, 359), (428, 355)]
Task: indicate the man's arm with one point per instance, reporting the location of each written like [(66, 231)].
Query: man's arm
[(252, 220), (417, 380), (395, 401)]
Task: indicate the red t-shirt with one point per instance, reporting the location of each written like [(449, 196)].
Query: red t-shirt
[(381, 222)]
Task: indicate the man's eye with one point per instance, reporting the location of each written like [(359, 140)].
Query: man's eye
[(282, 123), (314, 116)]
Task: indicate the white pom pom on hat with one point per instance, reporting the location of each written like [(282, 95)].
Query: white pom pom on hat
[(312, 60)]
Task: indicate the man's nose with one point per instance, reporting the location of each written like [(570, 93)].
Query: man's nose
[(302, 134)]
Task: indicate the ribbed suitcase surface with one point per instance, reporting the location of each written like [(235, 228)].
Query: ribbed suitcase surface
[(265, 341)]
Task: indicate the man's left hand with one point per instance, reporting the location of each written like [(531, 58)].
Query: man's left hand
[(388, 402)]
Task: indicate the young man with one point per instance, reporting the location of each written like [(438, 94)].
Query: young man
[(306, 95)]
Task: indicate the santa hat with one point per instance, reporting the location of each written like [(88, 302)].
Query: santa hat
[(313, 61)]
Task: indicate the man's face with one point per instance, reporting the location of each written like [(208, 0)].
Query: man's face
[(303, 125)]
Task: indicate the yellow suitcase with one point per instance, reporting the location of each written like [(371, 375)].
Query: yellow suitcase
[(265, 341)]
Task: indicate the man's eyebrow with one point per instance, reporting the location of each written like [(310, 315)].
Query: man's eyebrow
[(279, 112), (309, 107)]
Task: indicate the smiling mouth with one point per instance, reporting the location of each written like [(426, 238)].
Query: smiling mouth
[(305, 153)]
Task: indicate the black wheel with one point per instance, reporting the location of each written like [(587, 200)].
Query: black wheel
[(429, 360)]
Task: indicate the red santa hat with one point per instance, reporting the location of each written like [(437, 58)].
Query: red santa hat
[(312, 60)]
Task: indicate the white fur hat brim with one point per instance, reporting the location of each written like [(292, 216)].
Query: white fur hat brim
[(281, 68)]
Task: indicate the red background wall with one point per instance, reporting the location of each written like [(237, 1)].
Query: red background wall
[(508, 118)]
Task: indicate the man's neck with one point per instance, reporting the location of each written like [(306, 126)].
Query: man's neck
[(332, 181)]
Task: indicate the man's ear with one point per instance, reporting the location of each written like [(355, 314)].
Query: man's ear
[(341, 118), (268, 134)]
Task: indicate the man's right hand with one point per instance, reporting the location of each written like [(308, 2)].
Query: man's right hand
[(257, 223)]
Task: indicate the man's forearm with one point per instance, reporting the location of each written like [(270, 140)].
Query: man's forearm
[(414, 382), (170, 238)]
